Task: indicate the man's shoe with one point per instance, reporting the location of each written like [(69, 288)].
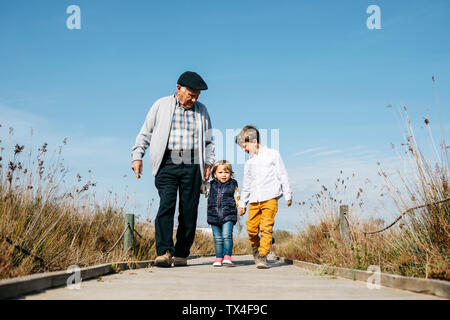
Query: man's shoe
[(164, 261), (262, 262), (179, 262)]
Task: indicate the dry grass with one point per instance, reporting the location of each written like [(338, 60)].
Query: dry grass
[(60, 227), (44, 227), (419, 245)]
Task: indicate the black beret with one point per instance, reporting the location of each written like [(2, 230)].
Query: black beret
[(192, 80)]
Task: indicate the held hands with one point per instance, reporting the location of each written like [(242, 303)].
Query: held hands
[(136, 166), (207, 172)]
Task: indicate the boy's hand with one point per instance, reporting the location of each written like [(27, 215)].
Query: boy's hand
[(289, 202), (241, 211)]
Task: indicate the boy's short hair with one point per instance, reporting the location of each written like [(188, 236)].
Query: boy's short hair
[(247, 134), (223, 163)]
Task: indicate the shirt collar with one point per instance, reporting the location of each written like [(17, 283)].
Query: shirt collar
[(261, 150)]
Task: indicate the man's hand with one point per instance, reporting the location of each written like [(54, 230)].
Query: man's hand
[(207, 172), (241, 211), (136, 166), (289, 202)]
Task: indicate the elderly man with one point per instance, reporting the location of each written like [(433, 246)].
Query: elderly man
[(178, 131)]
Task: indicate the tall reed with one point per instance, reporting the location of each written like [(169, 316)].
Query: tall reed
[(45, 226), (418, 245)]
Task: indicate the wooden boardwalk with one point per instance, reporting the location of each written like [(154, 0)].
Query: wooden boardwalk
[(201, 281)]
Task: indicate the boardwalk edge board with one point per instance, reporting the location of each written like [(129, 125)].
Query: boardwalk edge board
[(440, 288), (20, 286)]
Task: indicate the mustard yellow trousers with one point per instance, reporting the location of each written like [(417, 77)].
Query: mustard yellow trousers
[(261, 217)]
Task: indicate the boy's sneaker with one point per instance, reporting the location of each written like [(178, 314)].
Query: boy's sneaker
[(227, 261), (262, 262), (164, 261), (218, 262), (255, 253)]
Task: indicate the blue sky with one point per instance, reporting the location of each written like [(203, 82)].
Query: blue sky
[(312, 70)]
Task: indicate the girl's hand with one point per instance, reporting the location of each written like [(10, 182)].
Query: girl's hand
[(241, 211), (289, 202)]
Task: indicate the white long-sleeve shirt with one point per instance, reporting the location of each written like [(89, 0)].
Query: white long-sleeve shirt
[(265, 178)]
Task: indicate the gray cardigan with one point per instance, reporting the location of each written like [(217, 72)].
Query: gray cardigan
[(155, 134)]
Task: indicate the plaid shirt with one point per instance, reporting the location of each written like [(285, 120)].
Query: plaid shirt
[(183, 133)]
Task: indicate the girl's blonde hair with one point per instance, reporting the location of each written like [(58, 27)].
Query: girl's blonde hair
[(227, 166)]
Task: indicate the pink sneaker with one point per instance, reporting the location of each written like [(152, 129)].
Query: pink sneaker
[(227, 261), (217, 262)]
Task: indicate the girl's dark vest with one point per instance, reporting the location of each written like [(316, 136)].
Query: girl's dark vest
[(221, 203)]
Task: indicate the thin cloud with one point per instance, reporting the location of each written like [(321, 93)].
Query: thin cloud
[(307, 151), (19, 120), (80, 145), (327, 153), (308, 180), (354, 148), (331, 152)]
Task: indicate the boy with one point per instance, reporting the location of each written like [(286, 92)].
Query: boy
[(265, 181)]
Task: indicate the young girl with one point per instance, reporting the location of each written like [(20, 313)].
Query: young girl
[(222, 211)]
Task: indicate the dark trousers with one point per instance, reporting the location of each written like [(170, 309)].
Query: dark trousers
[(171, 179)]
